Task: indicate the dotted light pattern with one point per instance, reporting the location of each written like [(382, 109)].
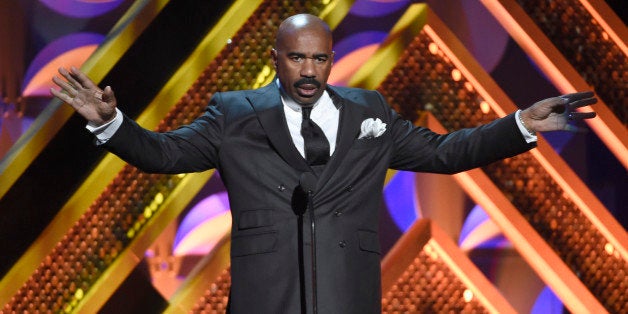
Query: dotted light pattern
[(589, 49), (216, 296), (425, 79), (133, 197), (92, 243), (427, 285)]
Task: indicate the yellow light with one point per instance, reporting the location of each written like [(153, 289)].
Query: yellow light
[(467, 295), (485, 107), (609, 248), (79, 294), (456, 75), (433, 48), (429, 250), (159, 198), (148, 212), (468, 86), (130, 234)]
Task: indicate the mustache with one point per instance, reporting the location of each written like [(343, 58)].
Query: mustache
[(307, 80)]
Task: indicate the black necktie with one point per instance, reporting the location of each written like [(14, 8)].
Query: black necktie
[(316, 144)]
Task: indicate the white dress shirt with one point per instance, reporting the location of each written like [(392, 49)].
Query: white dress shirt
[(324, 114)]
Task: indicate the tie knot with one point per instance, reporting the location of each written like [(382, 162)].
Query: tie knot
[(306, 111)]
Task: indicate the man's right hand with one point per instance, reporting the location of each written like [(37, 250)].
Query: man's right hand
[(79, 91)]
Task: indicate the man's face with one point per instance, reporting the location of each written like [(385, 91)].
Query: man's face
[(303, 60)]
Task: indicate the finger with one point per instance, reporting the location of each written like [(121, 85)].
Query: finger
[(576, 96), (71, 80), (582, 102), (85, 81), (107, 95), (65, 86), (66, 98), (581, 115), (63, 96)]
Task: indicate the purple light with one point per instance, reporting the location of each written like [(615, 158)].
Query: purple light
[(81, 8), (476, 217), (357, 41), (57, 48), (374, 8), (547, 302), (207, 209), (399, 196)]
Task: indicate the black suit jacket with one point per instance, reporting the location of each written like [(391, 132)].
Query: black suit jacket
[(245, 136)]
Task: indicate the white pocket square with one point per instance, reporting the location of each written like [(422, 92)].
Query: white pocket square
[(372, 128)]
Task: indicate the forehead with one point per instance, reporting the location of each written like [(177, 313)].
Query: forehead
[(305, 40)]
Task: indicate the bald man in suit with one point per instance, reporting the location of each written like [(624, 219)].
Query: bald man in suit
[(283, 193)]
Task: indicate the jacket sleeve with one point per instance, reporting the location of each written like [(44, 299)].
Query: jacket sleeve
[(420, 149), (190, 148)]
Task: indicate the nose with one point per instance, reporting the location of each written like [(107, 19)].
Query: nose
[(308, 68)]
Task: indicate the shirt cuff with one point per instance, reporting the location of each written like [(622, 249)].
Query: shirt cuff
[(104, 132), (529, 137)]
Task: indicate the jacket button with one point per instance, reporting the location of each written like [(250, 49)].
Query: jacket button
[(342, 244), (349, 188), (281, 188), (337, 213)]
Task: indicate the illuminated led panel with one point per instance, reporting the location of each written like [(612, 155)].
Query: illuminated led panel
[(206, 289), (107, 240), (127, 29), (425, 272), (580, 45), (550, 216)]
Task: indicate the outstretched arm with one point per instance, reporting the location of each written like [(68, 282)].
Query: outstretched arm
[(553, 114), (97, 106)]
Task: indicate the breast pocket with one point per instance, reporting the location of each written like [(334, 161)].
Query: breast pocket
[(369, 241), (255, 234)]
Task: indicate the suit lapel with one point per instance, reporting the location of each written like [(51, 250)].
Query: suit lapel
[(269, 109), (351, 116), (267, 104)]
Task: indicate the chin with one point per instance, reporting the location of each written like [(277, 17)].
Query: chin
[(308, 100), (304, 101)]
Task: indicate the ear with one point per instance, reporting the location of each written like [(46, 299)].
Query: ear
[(273, 55)]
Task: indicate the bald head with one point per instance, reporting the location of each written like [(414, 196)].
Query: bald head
[(300, 23)]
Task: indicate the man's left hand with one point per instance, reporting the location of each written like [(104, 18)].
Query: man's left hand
[(554, 114)]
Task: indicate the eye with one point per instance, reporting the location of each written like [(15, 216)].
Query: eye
[(296, 58), (321, 59)]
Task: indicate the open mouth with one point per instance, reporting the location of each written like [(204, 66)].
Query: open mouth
[(307, 90), (307, 87)]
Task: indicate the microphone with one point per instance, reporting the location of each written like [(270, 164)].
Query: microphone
[(307, 181)]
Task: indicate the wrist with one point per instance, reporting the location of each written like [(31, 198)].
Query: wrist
[(525, 122)]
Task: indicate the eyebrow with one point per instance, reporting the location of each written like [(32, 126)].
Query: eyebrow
[(302, 55)]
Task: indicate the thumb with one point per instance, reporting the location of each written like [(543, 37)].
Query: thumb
[(107, 95)]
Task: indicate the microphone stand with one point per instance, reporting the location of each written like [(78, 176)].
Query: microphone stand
[(310, 208), (308, 185)]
